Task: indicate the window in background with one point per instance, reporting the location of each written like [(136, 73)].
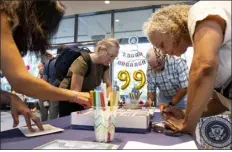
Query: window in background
[(65, 33), (5, 85), (32, 61), (96, 27), (130, 23), (90, 47)]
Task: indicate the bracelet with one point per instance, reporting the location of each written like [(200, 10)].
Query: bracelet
[(75, 98)]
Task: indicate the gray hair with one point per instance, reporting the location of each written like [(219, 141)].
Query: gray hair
[(170, 20)]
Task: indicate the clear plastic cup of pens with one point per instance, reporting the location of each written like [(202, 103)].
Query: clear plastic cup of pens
[(104, 116), (104, 123)]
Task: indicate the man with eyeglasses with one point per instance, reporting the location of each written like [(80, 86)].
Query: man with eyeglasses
[(170, 76), (81, 78)]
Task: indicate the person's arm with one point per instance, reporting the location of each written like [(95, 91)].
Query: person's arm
[(207, 39), (214, 107), (5, 97), (106, 79), (151, 90), (18, 107), (45, 72), (179, 95), (182, 74), (40, 67), (21, 81), (77, 82), (151, 97), (78, 68)]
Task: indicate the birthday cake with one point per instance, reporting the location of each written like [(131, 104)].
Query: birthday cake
[(133, 121)]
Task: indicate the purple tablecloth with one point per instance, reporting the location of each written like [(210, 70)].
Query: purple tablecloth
[(14, 139)]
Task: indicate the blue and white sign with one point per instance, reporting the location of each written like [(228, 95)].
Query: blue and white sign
[(133, 40)]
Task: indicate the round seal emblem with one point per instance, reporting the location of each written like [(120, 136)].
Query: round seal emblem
[(133, 40), (216, 132)]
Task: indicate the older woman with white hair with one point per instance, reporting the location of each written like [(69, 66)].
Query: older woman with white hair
[(207, 27)]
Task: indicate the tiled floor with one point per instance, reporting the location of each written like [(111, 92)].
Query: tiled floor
[(7, 120)]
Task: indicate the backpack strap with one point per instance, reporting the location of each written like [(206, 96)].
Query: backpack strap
[(87, 59), (47, 68), (84, 51)]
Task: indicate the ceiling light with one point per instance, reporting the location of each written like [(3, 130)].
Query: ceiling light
[(117, 20), (107, 2)]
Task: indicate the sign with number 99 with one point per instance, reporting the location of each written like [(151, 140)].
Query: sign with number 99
[(138, 76)]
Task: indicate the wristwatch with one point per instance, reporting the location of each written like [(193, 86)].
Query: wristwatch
[(170, 104)]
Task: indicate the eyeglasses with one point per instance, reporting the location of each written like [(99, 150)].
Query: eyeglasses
[(160, 57), (112, 57)]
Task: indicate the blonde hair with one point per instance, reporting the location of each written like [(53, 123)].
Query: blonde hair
[(109, 42), (171, 20)]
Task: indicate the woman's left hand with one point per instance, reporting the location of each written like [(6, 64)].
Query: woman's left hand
[(176, 124), (172, 111), (17, 108)]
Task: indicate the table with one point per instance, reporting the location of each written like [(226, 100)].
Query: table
[(14, 139)]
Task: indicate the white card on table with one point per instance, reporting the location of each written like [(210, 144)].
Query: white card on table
[(48, 129), (69, 144), (140, 145)]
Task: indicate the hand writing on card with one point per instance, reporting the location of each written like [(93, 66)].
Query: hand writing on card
[(149, 103), (17, 108), (178, 125), (174, 119), (162, 106), (171, 111)]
